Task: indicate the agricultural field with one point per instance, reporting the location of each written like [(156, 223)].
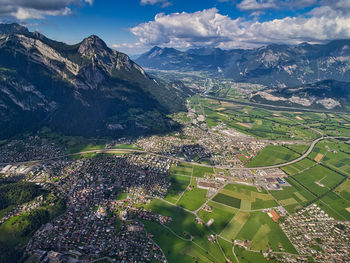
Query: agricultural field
[(293, 197), (221, 214), (272, 155), (201, 171), (254, 121), (245, 256), (178, 185), (260, 229), (343, 190), (181, 169), (298, 167), (335, 155), (193, 199), (319, 179), (244, 197), (336, 206), (183, 226)]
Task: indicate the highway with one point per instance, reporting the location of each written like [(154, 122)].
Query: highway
[(306, 154)]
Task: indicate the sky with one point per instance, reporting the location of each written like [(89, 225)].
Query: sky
[(135, 26)]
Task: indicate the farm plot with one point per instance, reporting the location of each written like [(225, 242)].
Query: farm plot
[(221, 214), (259, 229), (319, 179), (244, 197), (178, 185), (272, 155)]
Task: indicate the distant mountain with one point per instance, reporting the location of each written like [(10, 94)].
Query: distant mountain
[(327, 94), (273, 65), (84, 89), (192, 60)]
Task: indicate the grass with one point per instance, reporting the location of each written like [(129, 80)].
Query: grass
[(227, 248), (221, 214), (245, 256), (298, 167), (264, 233), (245, 197), (181, 169), (201, 171), (227, 200), (126, 146), (319, 179), (178, 185), (293, 197), (184, 225), (272, 155), (336, 206), (193, 199), (343, 190)]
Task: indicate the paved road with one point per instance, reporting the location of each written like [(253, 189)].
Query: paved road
[(312, 146)]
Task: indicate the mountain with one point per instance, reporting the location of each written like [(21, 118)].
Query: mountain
[(273, 65), (327, 94), (191, 60), (84, 89)]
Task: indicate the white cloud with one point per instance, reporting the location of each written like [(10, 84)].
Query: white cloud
[(254, 5), (38, 9), (257, 4), (163, 3), (209, 28)]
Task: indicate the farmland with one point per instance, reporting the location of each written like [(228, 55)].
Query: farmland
[(272, 155), (244, 197)]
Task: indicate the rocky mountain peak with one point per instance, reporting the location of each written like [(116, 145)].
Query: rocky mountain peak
[(93, 45), (14, 28)]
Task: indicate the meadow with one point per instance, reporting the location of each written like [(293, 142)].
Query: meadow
[(244, 197), (272, 155)]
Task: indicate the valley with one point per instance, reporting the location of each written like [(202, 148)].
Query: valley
[(237, 183), (102, 160)]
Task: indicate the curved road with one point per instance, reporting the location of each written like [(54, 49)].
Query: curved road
[(312, 146)]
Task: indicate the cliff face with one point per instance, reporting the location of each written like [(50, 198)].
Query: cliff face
[(83, 89)]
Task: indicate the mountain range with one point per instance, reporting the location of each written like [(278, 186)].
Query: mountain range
[(273, 65), (84, 89)]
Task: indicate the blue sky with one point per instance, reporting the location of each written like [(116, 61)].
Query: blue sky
[(134, 26)]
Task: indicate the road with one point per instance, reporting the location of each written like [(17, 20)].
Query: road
[(312, 146)]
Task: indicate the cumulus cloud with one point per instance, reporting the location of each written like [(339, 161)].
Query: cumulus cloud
[(37, 9), (163, 3), (257, 4), (210, 28), (254, 5)]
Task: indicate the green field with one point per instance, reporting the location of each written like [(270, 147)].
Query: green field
[(336, 206), (181, 169), (227, 200), (343, 190), (319, 179), (184, 225), (272, 155), (244, 197), (245, 256), (260, 229), (201, 171), (293, 197), (298, 167), (178, 185), (221, 214), (193, 199)]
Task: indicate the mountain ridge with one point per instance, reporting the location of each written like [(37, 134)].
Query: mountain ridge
[(83, 89), (275, 65)]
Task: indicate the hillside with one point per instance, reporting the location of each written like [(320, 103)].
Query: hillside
[(84, 89), (328, 94)]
